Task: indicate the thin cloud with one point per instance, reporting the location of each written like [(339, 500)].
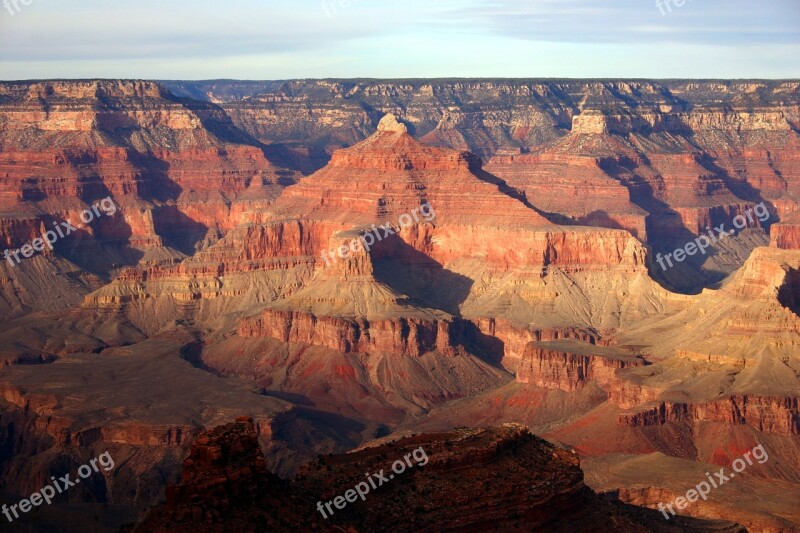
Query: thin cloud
[(637, 21), (277, 39)]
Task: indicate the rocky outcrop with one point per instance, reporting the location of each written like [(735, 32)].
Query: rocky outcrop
[(627, 395), (224, 465), (391, 174), (502, 479)]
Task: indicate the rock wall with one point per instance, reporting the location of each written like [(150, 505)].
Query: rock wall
[(404, 336), (554, 369), (767, 414)]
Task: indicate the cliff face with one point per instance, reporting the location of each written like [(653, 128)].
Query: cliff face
[(769, 415), (412, 337), (179, 172), (574, 184), (786, 234), (663, 160), (568, 371), (488, 116)]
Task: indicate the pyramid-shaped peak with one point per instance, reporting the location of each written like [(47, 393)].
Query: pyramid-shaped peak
[(392, 147), (391, 124)]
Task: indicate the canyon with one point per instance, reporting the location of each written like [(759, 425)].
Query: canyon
[(530, 296)]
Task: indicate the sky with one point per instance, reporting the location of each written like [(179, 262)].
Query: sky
[(272, 39)]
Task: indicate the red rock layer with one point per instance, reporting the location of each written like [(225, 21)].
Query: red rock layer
[(570, 249), (177, 170), (599, 179), (573, 185), (64, 432), (391, 174), (786, 234), (780, 416), (554, 369), (628, 395), (405, 336), (516, 339)]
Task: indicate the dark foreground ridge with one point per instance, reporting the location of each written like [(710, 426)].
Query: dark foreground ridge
[(500, 479)]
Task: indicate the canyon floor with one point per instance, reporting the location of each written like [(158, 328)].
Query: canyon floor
[(300, 277)]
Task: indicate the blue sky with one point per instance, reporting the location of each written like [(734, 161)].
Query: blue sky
[(271, 39)]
